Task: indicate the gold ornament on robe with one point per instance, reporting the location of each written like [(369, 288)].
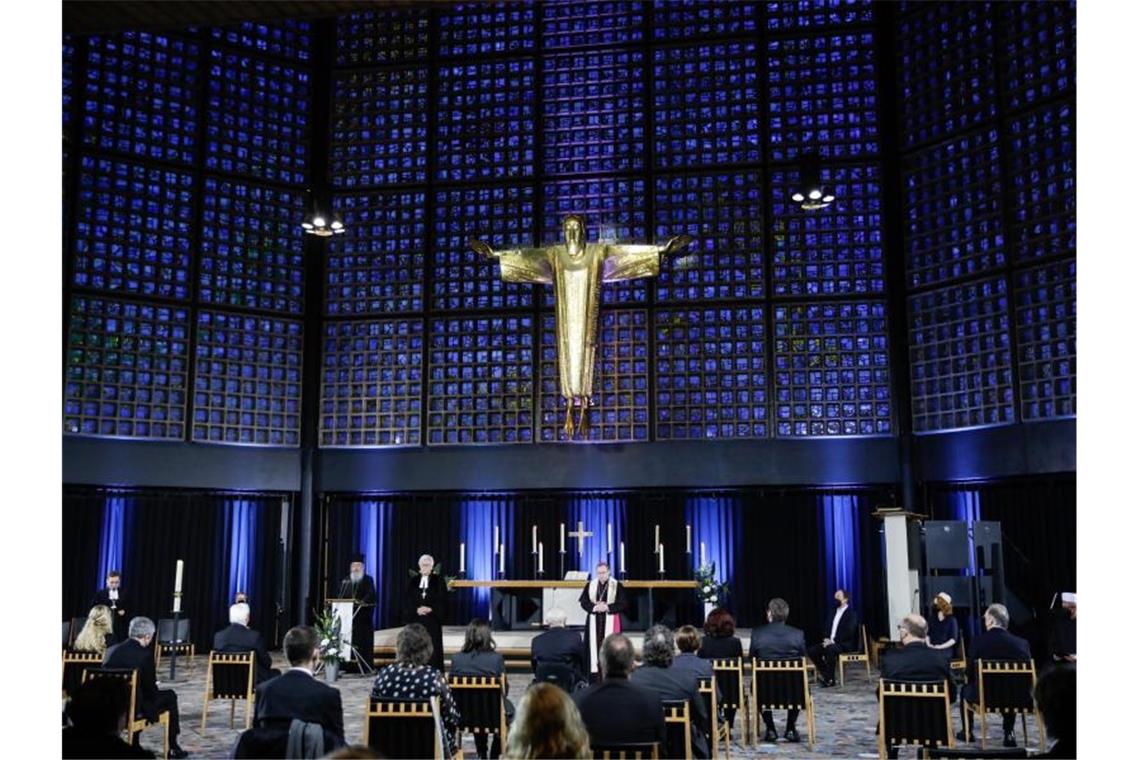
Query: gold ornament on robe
[(577, 270)]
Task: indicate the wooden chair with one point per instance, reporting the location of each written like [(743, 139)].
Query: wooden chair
[(782, 685), (969, 753), (479, 700), (135, 723), (914, 712), (66, 634), (631, 751), (1005, 686), (861, 656), (74, 663), (230, 676), (678, 728), (730, 676), (167, 640), (958, 663), (720, 737), (77, 624), (404, 728), (556, 673)]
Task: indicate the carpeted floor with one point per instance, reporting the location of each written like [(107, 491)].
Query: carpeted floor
[(845, 718)]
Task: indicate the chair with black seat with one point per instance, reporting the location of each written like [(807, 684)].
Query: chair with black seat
[(230, 676), (729, 674), (967, 753), (66, 634), (914, 713), (74, 663), (846, 658), (270, 739), (1005, 687), (479, 700), (167, 640), (404, 728), (630, 751), (77, 624), (557, 673), (678, 729), (782, 685), (958, 662), (719, 729), (135, 722)]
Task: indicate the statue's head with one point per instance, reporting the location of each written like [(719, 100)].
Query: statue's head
[(574, 228)]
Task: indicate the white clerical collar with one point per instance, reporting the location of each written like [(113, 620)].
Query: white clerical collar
[(112, 593), (423, 581)]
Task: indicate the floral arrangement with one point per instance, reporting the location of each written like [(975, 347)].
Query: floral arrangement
[(436, 570), (709, 589), (328, 633)]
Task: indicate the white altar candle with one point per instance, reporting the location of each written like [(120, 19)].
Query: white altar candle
[(534, 538), (462, 557), (502, 558), (562, 537), (661, 558), (609, 538), (702, 553), (540, 557), (657, 536), (688, 539), (621, 567), (496, 544), (178, 577)]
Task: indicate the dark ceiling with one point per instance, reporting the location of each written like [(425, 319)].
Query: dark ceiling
[(97, 16)]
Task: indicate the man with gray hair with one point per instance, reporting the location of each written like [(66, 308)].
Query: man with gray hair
[(425, 601), (558, 646), (239, 637), (995, 644), (136, 654), (361, 589), (915, 660), (615, 710), (665, 683)]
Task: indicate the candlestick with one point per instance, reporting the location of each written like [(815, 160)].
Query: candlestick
[(621, 557), (562, 537), (688, 539), (540, 558), (656, 536), (609, 538), (177, 602), (661, 558), (534, 538), (496, 544), (702, 553), (178, 577), (502, 559), (462, 557)]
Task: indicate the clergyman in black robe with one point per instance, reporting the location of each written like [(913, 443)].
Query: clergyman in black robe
[(425, 600), (603, 599), (360, 587)]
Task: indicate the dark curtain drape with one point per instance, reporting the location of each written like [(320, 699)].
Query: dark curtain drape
[(166, 526), (82, 526)]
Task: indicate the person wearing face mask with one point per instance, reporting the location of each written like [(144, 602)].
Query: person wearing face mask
[(360, 587), (425, 599), (844, 637), (943, 626)]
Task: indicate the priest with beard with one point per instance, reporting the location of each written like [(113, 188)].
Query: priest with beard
[(360, 587), (603, 599), (425, 599)]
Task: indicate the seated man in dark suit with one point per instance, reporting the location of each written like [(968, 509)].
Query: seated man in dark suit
[(843, 628), (915, 661), (97, 711), (559, 646), (688, 640), (1055, 695), (296, 694), (239, 637), (666, 683), (777, 641), (995, 644), (614, 710), (135, 653)]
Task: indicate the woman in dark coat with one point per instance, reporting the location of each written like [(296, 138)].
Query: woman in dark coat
[(479, 658), (720, 643)]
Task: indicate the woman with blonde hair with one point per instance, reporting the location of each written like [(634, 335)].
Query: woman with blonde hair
[(97, 632), (547, 725)]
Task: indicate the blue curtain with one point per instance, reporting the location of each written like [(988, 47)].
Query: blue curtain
[(478, 518), (241, 522), (595, 513), (717, 521), (113, 536), (839, 518), (374, 519)]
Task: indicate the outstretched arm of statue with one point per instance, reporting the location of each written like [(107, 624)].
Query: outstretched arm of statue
[(517, 264), (631, 262)]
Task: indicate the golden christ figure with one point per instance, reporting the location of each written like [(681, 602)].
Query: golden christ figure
[(577, 269)]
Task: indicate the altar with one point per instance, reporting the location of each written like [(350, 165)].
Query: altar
[(520, 605)]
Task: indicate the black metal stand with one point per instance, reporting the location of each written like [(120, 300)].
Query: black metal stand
[(562, 564), (176, 647), (534, 564)]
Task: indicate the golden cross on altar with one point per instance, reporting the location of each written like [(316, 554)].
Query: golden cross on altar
[(581, 534)]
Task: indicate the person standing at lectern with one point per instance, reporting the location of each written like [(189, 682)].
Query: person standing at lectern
[(425, 599), (360, 587), (111, 596), (603, 599)]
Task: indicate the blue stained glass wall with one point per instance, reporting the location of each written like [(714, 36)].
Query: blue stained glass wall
[(698, 19), (473, 28), (480, 380), (371, 383), (570, 23), (291, 39), (379, 127), (803, 15), (68, 79), (987, 93), (832, 369), (247, 386), (382, 36)]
